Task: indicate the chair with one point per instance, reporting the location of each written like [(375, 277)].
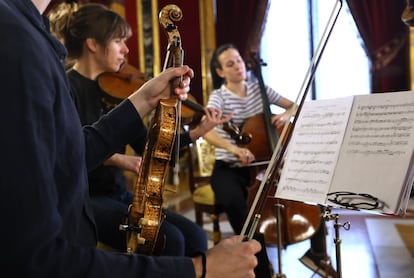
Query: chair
[(201, 161)]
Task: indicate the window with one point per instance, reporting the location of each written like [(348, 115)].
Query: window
[(286, 48)]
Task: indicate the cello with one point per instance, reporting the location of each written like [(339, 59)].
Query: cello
[(298, 221), (272, 173), (264, 133), (146, 213)]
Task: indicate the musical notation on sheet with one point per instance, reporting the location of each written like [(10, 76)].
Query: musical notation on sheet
[(361, 144), (314, 150)]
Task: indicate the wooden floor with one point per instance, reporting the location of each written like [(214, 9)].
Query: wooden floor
[(352, 255), (354, 251)]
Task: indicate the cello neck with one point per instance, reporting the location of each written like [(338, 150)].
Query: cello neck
[(270, 129)]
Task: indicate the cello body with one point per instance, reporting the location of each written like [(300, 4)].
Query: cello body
[(259, 143), (298, 221)]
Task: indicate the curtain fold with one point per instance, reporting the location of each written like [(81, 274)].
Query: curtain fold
[(386, 39), (241, 22)]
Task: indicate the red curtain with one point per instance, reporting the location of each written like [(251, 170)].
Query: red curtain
[(379, 21), (386, 39), (241, 22)]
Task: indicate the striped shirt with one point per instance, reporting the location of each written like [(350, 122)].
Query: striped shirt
[(243, 108)]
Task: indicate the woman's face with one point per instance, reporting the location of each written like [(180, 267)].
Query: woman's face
[(233, 68), (113, 55)]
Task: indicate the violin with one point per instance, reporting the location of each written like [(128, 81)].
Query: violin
[(191, 111), (119, 85), (146, 212)]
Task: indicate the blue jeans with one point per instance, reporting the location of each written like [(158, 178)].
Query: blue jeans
[(183, 236)]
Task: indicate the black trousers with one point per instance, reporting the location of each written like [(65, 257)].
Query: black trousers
[(230, 186)]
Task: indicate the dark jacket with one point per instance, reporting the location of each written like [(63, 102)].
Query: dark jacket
[(48, 229)]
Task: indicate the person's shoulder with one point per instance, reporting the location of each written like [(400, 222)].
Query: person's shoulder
[(252, 83), (221, 91), (218, 94), (80, 85), (11, 18), (8, 7), (76, 78), (19, 14)]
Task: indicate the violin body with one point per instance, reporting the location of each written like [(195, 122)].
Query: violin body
[(146, 212), (119, 85), (191, 112)]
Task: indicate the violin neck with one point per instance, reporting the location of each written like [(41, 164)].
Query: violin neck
[(194, 106)]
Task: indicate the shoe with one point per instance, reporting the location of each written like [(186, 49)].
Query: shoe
[(318, 264)]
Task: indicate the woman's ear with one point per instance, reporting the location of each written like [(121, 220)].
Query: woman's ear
[(91, 44), (219, 72)]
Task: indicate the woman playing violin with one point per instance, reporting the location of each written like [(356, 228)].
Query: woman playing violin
[(235, 93), (94, 49)]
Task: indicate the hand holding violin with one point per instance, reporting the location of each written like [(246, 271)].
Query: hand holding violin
[(148, 95), (125, 162), (230, 258)]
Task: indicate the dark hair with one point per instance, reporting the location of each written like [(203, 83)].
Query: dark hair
[(93, 21), (215, 64)]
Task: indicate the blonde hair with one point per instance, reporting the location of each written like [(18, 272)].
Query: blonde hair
[(59, 17)]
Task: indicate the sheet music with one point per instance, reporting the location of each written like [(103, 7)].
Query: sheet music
[(378, 148), (361, 146), (313, 150)]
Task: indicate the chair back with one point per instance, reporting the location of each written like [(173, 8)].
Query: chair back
[(205, 157), (201, 163), (202, 159)]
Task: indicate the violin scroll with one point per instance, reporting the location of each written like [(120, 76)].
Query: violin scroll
[(169, 14), (175, 54)]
